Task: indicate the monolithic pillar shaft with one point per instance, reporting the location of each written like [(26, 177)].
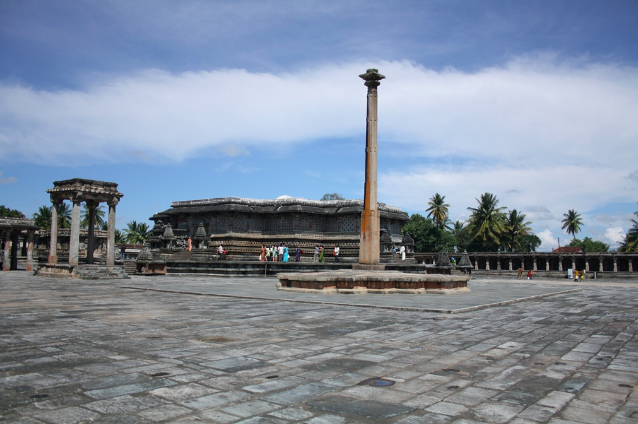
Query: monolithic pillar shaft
[(369, 250), (110, 240), (91, 205), (53, 245), (6, 263), (30, 252), (74, 243)]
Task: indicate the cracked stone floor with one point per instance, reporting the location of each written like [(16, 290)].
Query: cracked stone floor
[(94, 351)]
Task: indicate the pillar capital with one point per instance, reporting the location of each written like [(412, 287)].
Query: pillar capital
[(113, 201), (372, 78)]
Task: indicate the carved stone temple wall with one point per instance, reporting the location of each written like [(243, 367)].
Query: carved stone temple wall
[(243, 225)]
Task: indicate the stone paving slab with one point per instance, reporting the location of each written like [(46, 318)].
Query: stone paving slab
[(484, 293), (74, 351)]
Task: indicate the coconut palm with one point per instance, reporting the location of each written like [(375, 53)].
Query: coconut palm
[(438, 210), (572, 222), (119, 237), (43, 217), (515, 225), (136, 233), (64, 216), (630, 243), (487, 221), (99, 216)]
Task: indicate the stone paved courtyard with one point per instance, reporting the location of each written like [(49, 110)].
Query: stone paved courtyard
[(86, 351)]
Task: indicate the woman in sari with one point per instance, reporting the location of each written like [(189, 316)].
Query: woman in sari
[(286, 254), (321, 251), (298, 255)]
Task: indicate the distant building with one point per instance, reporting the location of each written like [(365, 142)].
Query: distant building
[(243, 225)]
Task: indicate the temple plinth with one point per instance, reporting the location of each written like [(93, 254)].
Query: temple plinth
[(369, 251)]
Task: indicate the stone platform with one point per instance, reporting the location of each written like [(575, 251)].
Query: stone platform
[(379, 282), (83, 272)]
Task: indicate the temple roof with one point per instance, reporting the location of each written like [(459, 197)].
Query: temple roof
[(280, 205)]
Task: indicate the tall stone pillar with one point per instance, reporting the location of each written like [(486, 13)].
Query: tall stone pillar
[(476, 259), (74, 243), (91, 205), (535, 264), (631, 265), (601, 266), (574, 263), (369, 250), (110, 240), (560, 263), (53, 244), (510, 264), (6, 262), (586, 264), (615, 264), (498, 263), (30, 251), (547, 264), (487, 263)]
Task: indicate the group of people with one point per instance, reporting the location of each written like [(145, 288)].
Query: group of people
[(279, 253), (320, 252), (399, 251), (530, 273)]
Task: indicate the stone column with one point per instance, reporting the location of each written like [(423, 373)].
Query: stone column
[(574, 263), (14, 250), (91, 205), (30, 251), (510, 264), (110, 240), (369, 250), (615, 264), (74, 243), (476, 259), (487, 264), (560, 263), (53, 244), (535, 264), (631, 265), (587, 264), (547, 263), (498, 263), (600, 264), (6, 263)]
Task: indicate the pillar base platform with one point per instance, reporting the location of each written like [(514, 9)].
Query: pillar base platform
[(368, 267), (379, 282), (83, 272)]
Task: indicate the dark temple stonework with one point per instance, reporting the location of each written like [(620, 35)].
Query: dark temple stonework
[(243, 225)]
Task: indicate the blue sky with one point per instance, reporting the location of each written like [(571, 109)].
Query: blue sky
[(533, 101)]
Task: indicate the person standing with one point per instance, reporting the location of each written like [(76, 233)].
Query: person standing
[(336, 254), (530, 274), (262, 253), (220, 251), (280, 251), (520, 273), (123, 251), (316, 256), (321, 252), (402, 252), (286, 256), (189, 243), (298, 253)]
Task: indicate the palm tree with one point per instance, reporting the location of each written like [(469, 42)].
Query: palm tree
[(438, 210), (630, 243), (43, 217), (64, 216), (515, 225), (572, 222), (119, 237), (487, 221), (136, 233), (99, 216)]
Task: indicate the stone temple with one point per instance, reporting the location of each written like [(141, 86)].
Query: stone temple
[(243, 225)]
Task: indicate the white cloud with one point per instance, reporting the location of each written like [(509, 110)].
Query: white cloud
[(8, 180), (548, 241), (614, 236)]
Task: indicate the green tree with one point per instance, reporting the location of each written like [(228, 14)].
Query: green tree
[(572, 222), (528, 242), (119, 237), (515, 226), (427, 236), (487, 222), (10, 213), (99, 216), (589, 245), (43, 217), (333, 196), (64, 216), (462, 234), (630, 243), (438, 210), (136, 233)]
